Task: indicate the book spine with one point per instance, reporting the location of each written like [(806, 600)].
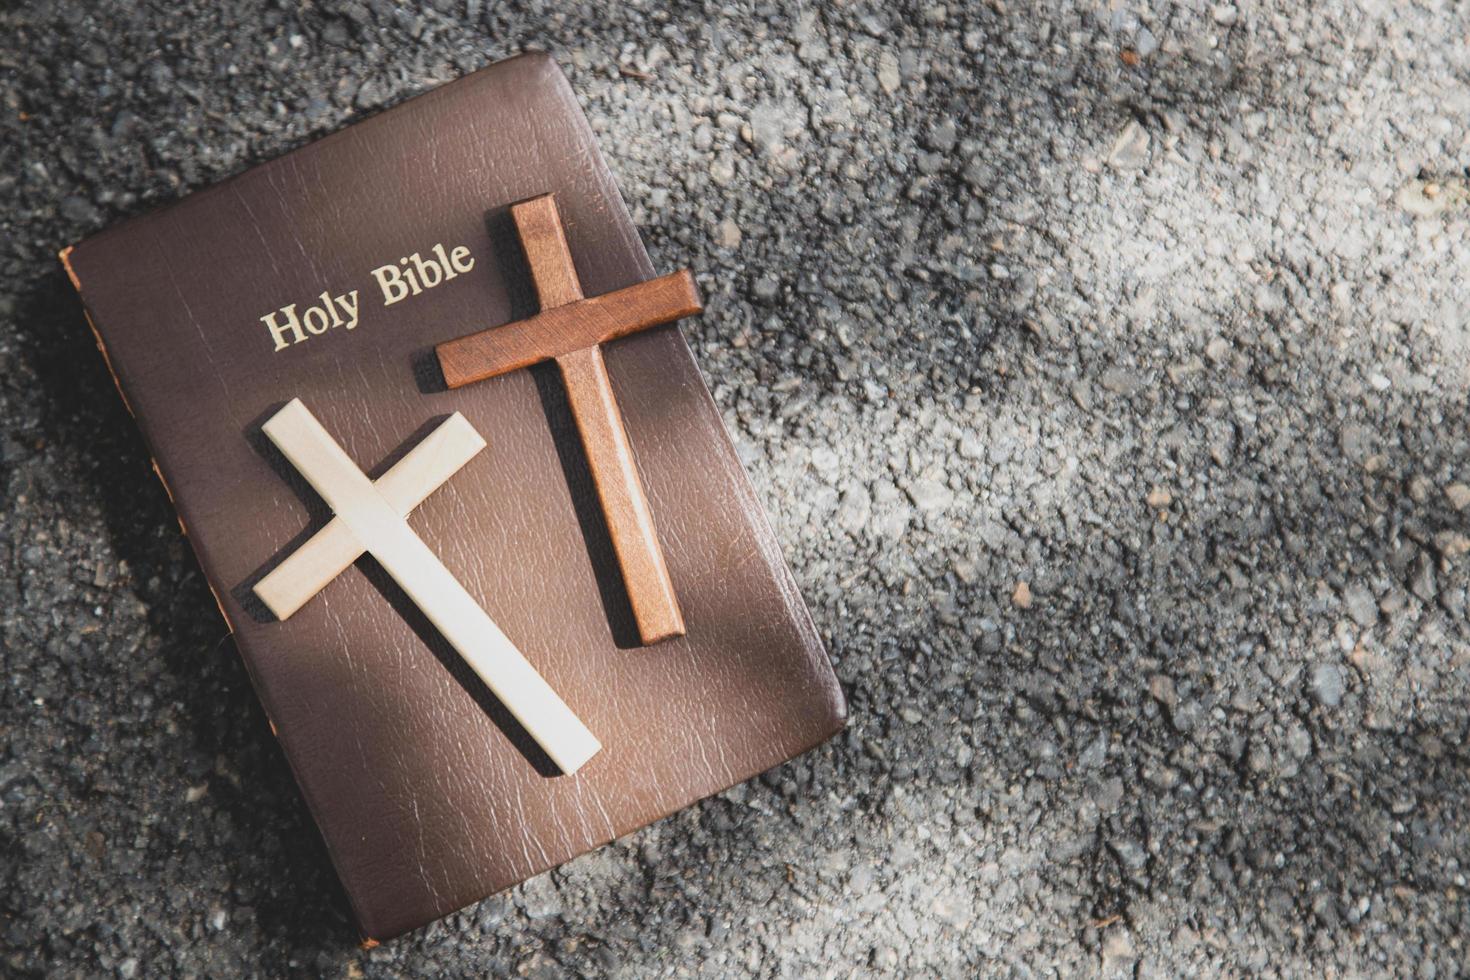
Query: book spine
[(76, 282)]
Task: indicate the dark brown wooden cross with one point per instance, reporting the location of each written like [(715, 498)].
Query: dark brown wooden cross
[(570, 330)]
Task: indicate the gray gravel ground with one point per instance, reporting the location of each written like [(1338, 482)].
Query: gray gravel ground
[(1104, 370)]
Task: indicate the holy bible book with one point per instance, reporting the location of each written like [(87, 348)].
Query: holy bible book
[(291, 343)]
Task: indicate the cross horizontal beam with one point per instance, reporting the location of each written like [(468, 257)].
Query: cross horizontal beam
[(329, 552), (560, 330)]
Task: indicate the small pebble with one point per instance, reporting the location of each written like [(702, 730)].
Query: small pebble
[(1361, 604), (1329, 683), (888, 76), (729, 234), (1130, 149)]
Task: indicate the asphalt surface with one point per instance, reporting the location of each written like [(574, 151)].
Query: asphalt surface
[(1103, 369)]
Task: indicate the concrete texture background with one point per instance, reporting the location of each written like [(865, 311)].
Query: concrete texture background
[(1103, 368)]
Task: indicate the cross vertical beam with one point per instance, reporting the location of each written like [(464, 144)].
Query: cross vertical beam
[(570, 330)]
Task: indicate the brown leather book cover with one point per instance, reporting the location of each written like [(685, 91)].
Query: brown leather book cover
[(425, 793)]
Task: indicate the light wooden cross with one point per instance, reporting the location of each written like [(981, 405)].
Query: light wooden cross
[(570, 330), (369, 517)]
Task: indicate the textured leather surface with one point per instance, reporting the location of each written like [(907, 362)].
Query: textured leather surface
[(427, 796)]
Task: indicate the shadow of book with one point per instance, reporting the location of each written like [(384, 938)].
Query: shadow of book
[(279, 864)]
